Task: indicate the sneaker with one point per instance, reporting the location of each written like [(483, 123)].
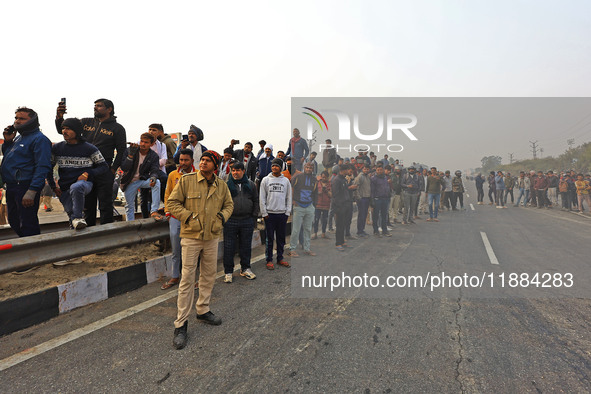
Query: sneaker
[(270, 265), (79, 224), (180, 337), (248, 274), (499, 207), (284, 263), (228, 278), (210, 318)]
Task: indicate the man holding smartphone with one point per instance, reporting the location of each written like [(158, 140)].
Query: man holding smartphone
[(27, 160), (107, 135)]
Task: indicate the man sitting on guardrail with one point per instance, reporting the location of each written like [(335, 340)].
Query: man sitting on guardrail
[(202, 202), (141, 167), (79, 163)]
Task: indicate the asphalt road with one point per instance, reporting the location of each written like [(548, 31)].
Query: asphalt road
[(277, 336)]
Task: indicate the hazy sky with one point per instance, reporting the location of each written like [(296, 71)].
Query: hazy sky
[(232, 67)]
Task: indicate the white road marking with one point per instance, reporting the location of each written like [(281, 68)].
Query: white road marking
[(467, 195), (92, 327), (472, 207), (489, 249)]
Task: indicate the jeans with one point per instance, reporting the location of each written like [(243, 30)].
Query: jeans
[(73, 199), (455, 197), (320, 215), (410, 200), (131, 192), (480, 191), (522, 193), (302, 219), (174, 225), (102, 191), (340, 214), (380, 214), (24, 221), (565, 197), (275, 227), (499, 197), (146, 197), (433, 203), (507, 192), (241, 230), (362, 210)]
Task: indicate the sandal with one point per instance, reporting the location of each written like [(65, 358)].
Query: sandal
[(171, 282), (293, 253)]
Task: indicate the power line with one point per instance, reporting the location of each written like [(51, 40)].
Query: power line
[(534, 148)]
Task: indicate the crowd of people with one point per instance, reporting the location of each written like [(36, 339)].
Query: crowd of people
[(537, 189), (207, 195)]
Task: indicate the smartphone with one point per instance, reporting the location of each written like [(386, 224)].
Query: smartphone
[(237, 142), (63, 100), (185, 137)]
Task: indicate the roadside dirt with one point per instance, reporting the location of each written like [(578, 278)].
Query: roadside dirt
[(12, 285)]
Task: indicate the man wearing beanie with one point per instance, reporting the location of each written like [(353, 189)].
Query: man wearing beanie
[(27, 160), (109, 137), (240, 226), (79, 164), (202, 202), (275, 200)]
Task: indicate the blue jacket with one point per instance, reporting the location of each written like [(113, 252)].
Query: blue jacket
[(264, 166), (499, 182), (27, 159), (298, 149)]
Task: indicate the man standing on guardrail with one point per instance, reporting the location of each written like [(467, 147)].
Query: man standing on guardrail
[(141, 167), (109, 137), (79, 164), (27, 160), (202, 202)]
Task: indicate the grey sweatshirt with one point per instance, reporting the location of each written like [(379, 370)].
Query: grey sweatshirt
[(275, 195)]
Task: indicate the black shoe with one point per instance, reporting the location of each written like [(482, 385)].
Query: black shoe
[(210, 318), (180, 336), (412, 221)]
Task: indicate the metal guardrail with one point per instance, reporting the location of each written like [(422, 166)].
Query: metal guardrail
[(22, 253)]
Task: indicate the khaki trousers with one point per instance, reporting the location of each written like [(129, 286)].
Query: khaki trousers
[(190, 253)]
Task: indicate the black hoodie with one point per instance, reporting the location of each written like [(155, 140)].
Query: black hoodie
[(106, 136)]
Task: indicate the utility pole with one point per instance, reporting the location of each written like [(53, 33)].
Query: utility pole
[(534, 148), (510, 158), (541, 153)]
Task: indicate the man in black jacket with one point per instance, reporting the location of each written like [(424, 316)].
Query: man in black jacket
[(241, 224), (107, 135), (245, 156), (141, 172), (341, 201)]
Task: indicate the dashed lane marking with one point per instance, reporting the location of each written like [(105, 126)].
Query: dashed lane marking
[(489, 249)]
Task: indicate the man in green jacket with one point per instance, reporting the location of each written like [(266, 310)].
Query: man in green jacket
[(202, 202)]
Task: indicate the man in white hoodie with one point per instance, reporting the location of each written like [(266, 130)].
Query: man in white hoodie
[(275, 202)]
